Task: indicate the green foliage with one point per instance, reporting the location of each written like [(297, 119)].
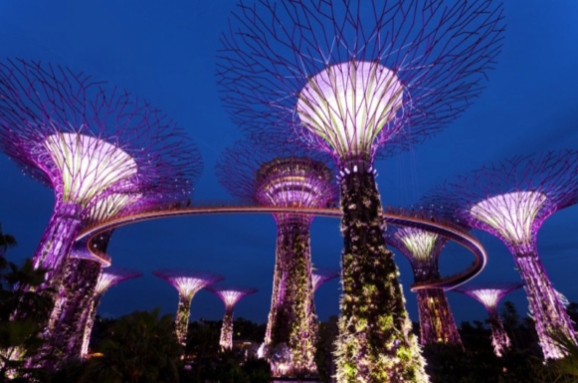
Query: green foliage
[(23, 308), (139, 348), (563, 370)]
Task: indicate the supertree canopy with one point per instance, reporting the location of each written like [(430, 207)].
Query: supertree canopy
[(107, 278), (321, 276), (230, 296), (511, 199), (489, 296), (102, 151), (422, 249), (345, 77), (187, 283), (96, 146), (284, 177)]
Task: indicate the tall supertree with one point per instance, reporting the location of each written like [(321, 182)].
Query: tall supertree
[(510, 200), (230, 296), (284, 177), (321, 276), (97, 147), (422, 249), (107, 278), (346, 77), (187, 283), (489, 295)]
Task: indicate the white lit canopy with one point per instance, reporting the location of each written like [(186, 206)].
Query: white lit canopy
[(419, 243), (511, 214), (88, 165), (348, 105)]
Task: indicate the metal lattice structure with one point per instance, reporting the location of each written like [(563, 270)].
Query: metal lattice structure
[(321, 276), (489, 295), (187, 283), (510, 200), (95, 145), (230, 296), (346, 77), (422, 249), (284, 177)]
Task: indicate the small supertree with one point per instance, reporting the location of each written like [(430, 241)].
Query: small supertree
[(321, 276), (107, 278), (422, 249), (345, 77), (284, 177), (230, 296), (511, 199), (96, 146), (187, 283), (489, 295)]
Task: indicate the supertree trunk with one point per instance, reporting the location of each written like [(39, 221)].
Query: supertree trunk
[(226, 340), (500, 339), (375, 344), (436, 321), (548, 313), (294, 321), (57, 242), (182, 319), (67, 335), (89, 323)]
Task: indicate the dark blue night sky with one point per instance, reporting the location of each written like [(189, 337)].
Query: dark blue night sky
[(165, 52)]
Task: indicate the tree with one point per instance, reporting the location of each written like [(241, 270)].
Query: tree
[(139, 348), (6, 241)]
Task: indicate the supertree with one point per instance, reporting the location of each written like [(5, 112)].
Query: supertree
[(107, 278), (321, 276), (91, 144), (187, 283), (510, 200), (98, 147), (230, 296), (284, 177), (489, 295), (345, 77), (422, 249)]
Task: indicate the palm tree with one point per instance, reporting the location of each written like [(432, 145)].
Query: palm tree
[(6, 241), (140, 348)]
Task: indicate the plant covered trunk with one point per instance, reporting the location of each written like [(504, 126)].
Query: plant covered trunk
[(548, 313), (436, 321), (226, 340), (68, 329), (182, 319), (375, 344), (292, 317), (89, 324), (500, 339)]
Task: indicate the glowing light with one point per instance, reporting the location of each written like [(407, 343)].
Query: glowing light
[(319, 277), (419, 243), (348, 104), (488, 297), (88, 165), (511, 214), (110, 206)]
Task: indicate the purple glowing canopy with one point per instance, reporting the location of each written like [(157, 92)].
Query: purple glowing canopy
[(349, 75), (512, 198), (276, 175), (230, 295), (187, 282), (488, 294), (323, 275)]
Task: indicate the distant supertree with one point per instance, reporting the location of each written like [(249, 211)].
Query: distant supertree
[(284, 177), (321, 276), (489, 295), (98, 147), (187, 283), (422, 249), (346, 76), (230, 296), (511, 199), (107, 278), (91, 144)]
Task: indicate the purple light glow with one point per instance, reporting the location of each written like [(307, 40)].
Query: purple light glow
[(511, 199), (489, 296), (321, 276), (325, 103)]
